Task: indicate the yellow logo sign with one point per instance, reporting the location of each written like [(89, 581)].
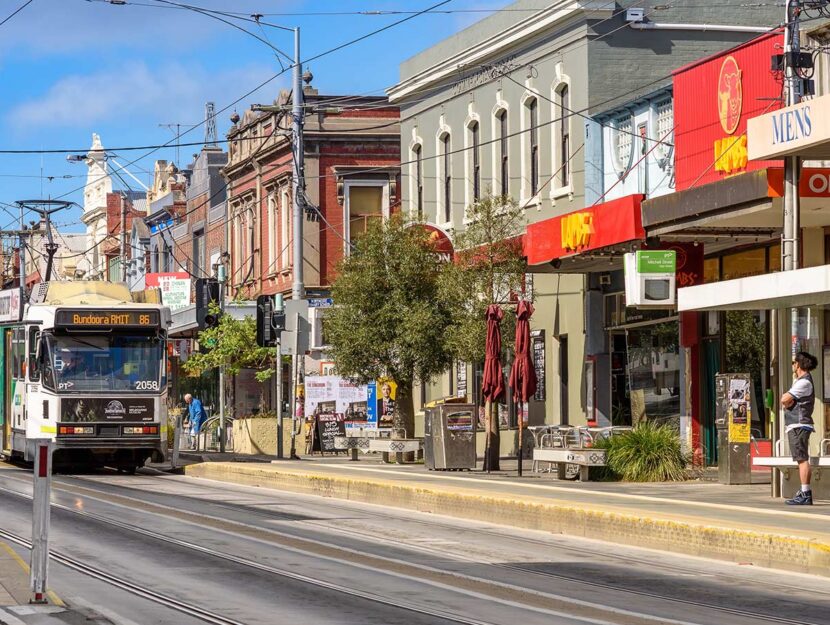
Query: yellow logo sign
[(731, 155), (577, 229)]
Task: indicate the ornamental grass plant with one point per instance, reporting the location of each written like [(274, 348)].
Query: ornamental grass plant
[(648, 453)]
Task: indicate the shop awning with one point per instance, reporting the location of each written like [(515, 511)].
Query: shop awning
[(583, 234), (785, 289)]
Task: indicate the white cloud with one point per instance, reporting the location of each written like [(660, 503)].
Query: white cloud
[(135, 91)]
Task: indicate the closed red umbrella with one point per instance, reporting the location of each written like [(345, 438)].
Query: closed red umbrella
[(492, 386), (523, 374)]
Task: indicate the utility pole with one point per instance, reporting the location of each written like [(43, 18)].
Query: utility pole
[(792, 209), (297, 286)]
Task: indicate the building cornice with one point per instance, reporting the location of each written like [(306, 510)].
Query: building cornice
[(525, 29)]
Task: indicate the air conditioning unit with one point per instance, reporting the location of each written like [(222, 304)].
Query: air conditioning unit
[(635, 15)]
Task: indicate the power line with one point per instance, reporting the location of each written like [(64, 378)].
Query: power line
[(18, 10)]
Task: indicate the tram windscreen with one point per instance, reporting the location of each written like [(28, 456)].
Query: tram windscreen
[(112, 362)]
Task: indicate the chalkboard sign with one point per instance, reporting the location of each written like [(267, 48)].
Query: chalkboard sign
[(329, 425)]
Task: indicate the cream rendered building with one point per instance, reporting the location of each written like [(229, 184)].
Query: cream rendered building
[(98, 185)]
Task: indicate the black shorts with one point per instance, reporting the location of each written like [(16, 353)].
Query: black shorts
[(800, 444)]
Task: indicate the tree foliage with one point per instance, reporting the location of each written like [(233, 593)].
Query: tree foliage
[(489, 268), (231, 344), (388, 319)]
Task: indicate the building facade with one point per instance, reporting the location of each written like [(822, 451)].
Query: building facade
[(512, 106), (352, 147)]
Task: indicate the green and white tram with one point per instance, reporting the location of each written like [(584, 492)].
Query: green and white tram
[(85, 366)]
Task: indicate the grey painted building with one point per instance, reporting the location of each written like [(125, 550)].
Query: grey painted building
[(507, 106)]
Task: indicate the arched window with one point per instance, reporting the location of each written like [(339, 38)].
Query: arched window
[(446, 177), (564, 136), (533, 144), (418, 157), (475, 160), (503, 152)]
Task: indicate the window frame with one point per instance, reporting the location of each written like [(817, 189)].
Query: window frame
[(418, 158), (532, 105), (503, 152), (564, 95), (475, 165), (359, 182), (445, 181)]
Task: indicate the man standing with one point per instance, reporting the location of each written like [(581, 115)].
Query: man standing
[(798, 405), (198, 416)]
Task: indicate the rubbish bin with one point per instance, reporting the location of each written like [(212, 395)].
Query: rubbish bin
[(733, 418), (449, 437)]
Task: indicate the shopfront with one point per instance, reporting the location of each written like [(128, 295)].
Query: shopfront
[(633, 358)]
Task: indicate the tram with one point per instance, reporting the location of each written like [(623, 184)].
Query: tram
[(84, 365)]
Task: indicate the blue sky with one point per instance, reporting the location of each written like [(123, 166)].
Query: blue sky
[(69, 68)]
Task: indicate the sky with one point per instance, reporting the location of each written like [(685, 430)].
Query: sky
[(70, 68)]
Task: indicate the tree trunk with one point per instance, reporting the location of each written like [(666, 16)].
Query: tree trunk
[(404, 420), (491, 459)]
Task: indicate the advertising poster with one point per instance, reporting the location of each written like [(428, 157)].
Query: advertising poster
[(381, 403), (174, 287), (332, 394), (90, 409), (739, 410)]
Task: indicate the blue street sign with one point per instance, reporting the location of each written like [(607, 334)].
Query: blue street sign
[(320, 302)]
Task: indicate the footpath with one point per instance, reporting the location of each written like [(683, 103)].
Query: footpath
[(15, 594), (742, 524)]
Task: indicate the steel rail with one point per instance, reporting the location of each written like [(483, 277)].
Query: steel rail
[(134, 529)]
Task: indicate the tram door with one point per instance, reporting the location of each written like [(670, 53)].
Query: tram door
[(5, 393)]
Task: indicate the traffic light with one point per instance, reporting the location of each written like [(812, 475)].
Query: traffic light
[(269, 322), (207, 295)]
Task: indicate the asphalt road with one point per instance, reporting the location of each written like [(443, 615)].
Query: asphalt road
[(247, 555)]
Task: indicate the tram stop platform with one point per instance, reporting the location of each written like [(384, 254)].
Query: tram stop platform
[(742, 524), (15, 594)]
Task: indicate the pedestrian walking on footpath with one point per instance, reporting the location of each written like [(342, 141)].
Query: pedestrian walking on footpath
[(197, 416), (798, 405)]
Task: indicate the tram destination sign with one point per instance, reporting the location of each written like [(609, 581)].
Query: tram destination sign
[(107, 319)]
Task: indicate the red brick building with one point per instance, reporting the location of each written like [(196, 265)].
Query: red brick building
[(352, 154)]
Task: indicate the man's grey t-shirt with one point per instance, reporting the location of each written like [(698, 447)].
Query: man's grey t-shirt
[(800, 415)]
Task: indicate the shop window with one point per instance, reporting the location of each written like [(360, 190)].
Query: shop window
[(654, 371), (742, 264), (711, 270), (365, 207), (775, 257)]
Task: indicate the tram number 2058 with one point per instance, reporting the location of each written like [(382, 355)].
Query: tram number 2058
[(147, 385)]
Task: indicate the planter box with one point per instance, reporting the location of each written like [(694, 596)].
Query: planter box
[(259, 436)]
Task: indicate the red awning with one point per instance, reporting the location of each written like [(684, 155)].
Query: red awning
[(592, 228)]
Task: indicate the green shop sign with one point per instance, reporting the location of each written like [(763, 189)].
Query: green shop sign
[(656, 261)]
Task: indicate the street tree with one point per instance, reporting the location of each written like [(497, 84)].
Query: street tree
[(231, 344), (489, 268), (388, 320)]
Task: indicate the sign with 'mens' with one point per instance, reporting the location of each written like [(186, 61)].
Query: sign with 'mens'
[(791, 130)]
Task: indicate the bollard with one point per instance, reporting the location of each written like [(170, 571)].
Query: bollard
[(39, 564)]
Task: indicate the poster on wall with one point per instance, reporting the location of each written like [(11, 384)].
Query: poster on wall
[(461, 379), (538, 340)]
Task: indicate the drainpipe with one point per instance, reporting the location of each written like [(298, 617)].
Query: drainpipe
[(725, 28)]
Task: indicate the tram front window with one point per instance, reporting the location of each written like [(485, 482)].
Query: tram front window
[(110, 362)]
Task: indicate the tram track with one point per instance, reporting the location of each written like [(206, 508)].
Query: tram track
[(433, 523), (755, 616), (126, 585)]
